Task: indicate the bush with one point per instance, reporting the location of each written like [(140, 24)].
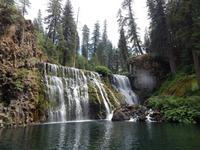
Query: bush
[(179, 85), (104, 71), (177, 109)]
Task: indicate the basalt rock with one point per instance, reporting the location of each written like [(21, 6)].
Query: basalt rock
[(147, 73), (127, 112), (19, 79)]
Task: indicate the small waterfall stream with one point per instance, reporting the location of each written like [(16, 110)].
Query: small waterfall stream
[(67, 91), (122, 84)]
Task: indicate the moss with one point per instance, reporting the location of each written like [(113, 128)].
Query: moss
[(116, 99), (104, 71)]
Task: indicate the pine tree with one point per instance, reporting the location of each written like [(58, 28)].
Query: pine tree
[(25, 4), (37, 22), (85, 41), (69, 32), (103, 47), (123, 50), (95, 42), (161, 37), (53, 19), (132, 27)]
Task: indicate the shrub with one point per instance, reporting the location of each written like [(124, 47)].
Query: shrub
[(177, 109), (104, 71)]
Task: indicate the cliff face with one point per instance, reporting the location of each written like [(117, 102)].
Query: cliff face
[(19, 79), (147, 74)]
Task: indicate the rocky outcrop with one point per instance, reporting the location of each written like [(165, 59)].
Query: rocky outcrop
[(147, 74), (20, 81), (128, 112), (137, 112)]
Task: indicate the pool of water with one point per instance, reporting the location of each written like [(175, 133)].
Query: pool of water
[(102, 135)]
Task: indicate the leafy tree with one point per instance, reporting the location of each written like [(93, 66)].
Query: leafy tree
[(53, 19), (24, 5)]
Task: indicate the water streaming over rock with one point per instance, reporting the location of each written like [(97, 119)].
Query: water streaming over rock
[(67, 91), (122, 84)]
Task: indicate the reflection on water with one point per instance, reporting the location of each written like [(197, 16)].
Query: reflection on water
[(102, 135)]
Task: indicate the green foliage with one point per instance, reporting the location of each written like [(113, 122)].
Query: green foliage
[(177, 109), (104, 71), (179, 85), (9, 15), (81, 62)]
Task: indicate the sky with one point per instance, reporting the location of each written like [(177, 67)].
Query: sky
[(92, 11)]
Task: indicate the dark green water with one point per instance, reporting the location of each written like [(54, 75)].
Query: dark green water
[(102, 135)]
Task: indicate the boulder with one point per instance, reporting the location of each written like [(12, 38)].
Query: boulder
[(119, 115)]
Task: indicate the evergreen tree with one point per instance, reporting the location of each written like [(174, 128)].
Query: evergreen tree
[(25, 4), (53, 19), (69, 32), (95, 41), (123, 50), (85, 41), (37, 22), (147, 41), (161, 37), (103, 47), (132, 27)]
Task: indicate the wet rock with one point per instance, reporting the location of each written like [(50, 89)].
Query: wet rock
[(127, 112), (119, 115), (156, 116)]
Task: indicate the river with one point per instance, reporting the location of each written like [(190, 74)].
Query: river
[(102, 135)]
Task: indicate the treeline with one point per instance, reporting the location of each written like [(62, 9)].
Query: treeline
[(61, 42), (174, 33)]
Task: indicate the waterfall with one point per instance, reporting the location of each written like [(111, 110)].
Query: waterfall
[(122, 84), (67, 91)]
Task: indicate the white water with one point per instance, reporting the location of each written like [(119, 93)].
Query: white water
[(122, 84), (67, 90)]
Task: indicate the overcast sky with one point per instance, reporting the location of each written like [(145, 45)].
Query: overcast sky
[(93, 10)]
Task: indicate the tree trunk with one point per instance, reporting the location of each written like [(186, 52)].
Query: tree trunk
[(172, 62), (197, 66), (139, 47), (64, 58)]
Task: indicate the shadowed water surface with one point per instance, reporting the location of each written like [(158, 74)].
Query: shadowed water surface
[(102, 135)]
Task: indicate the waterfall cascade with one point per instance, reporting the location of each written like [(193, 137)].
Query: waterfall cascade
[(122, 84), (67, 90)]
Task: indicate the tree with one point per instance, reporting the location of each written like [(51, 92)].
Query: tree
[(103, 48), (95, 41), (53, 19), (85, 41), (123, 50), (147, 41), (7, 3), (161, 37), (195, 8), (25, 4), (37, 22), (132, 27), (69, 32)]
